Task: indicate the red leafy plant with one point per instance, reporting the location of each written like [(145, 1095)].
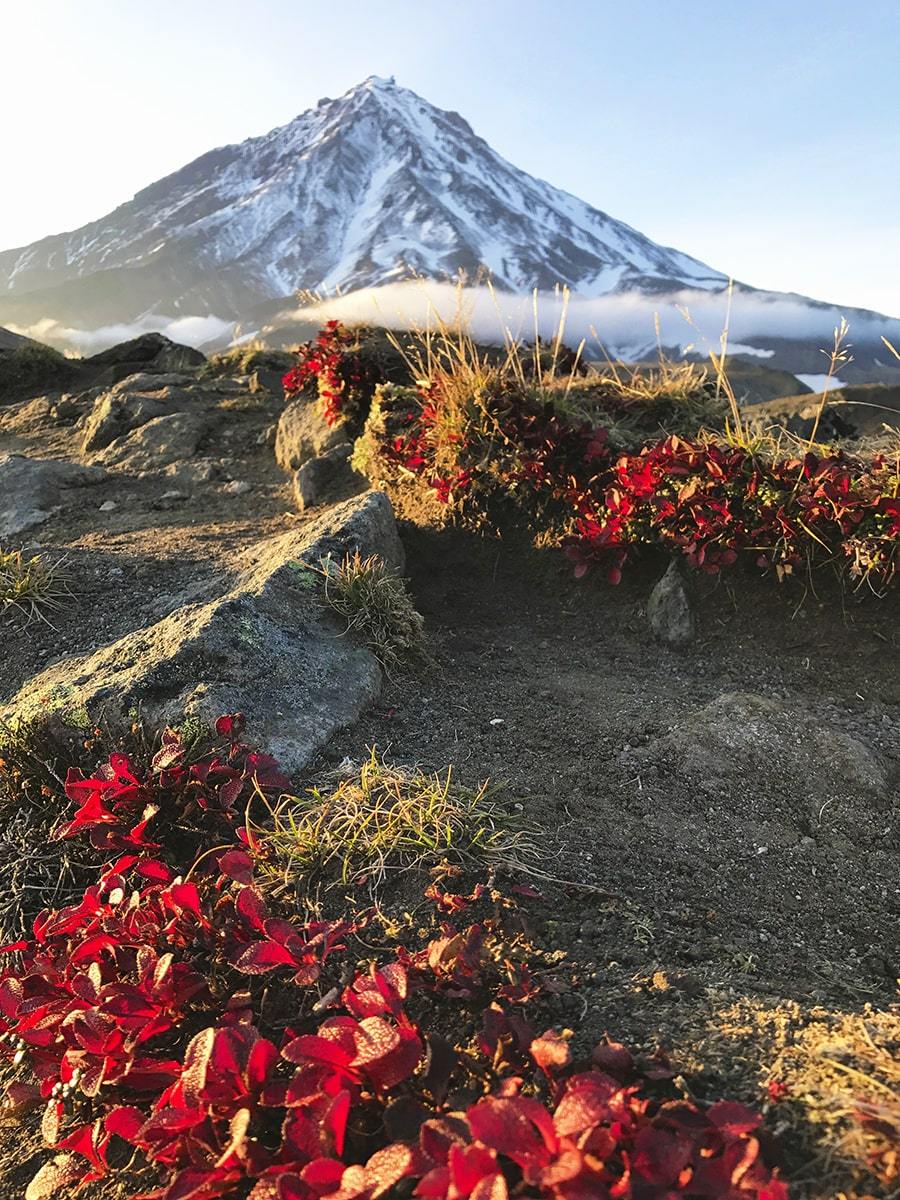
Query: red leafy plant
[(242, 1052), (343, 367), (510, 456), (120, 801)]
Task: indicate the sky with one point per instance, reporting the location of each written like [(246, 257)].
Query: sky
[(761, 137)]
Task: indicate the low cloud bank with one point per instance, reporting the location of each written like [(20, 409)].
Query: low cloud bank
[(189, 331), (622, 324)]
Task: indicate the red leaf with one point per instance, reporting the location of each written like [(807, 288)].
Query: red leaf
[(237, 865), (733, 1119), (261, 957), (125, 1122)]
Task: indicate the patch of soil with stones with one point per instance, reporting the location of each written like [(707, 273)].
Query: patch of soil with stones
[(132, 548), (720, 822)]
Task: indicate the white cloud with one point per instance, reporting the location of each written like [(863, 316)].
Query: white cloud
[(619, 322), (626, 325), (190, 331)]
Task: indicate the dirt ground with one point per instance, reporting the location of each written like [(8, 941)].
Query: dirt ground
[(719, 908), (716, 829)]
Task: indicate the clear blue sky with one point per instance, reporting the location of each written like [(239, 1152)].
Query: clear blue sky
[(762, 137)]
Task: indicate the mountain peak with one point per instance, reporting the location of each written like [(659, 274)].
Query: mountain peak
[(378, 81), (376, 186)]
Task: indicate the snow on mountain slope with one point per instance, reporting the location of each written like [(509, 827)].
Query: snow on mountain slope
[(367, 189)]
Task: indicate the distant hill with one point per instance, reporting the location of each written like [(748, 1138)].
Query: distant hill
[(13, 341)]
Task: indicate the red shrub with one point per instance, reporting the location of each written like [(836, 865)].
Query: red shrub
[(345, 379), (139, 1012)]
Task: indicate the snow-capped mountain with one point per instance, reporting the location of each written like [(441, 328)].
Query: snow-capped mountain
[(366, 189)]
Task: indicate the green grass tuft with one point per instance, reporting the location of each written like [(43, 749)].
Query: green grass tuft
[(384, 819), (31, 587), (374, 603)]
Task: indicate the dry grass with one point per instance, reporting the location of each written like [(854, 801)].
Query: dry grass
[(250, 356), (373, 601), (31, 587), (642, 401), (836, 1075), (383, 819), (845, 1076)]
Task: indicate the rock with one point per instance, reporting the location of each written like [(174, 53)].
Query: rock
[(113, 416), (146, 382), (155, 444), (32, 489), (263, 380), (828, 425), (302, 434), (150, 352), (66, 409), (108, 506), (236, 487), (750, 744), (325, 477), (189, 474), (669, 609), (34, 413), (267, 647)]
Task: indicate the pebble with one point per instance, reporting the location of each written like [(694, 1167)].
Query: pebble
[(237, 487), (108, 506)]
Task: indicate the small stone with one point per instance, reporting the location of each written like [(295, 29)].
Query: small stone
[(323, 477), (264, 380), (237, 487), (669, 609), (108, 506)]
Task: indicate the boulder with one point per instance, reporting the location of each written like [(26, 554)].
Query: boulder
[(669, 609), (326, 477), (157, 443), (32, 489), (132, 403), (145, 381), (303, 433), (741, 739), (264, 380), (151, 352), (115, 415), (268, 647)]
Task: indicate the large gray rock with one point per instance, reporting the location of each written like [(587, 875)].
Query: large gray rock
[(268, 648), (303, 433), (326, 477), (669, 609), (113, 416), (157, 443), (33, 489), (149, 352)]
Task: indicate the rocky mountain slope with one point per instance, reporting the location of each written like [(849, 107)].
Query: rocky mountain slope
[(371, 187)]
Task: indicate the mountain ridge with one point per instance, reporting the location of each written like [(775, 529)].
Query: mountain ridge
[(361, 192), (375, 186)]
